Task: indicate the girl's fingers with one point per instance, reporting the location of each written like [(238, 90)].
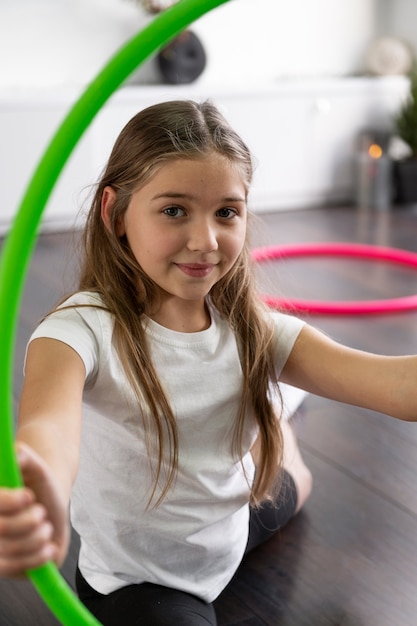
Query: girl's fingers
[(14, 500), (20, 546), (28, 516), (34, 524), (25, 541), (22, 523), (18, 566)]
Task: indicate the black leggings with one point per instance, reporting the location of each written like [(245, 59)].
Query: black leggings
[(153, 605)]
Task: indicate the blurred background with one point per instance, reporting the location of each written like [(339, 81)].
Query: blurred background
[(310, 84)]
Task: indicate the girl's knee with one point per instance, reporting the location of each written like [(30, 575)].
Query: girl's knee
[(303, 480), (295, 466)]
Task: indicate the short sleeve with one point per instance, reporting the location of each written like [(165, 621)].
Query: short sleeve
[(287, 329), (77, 324)]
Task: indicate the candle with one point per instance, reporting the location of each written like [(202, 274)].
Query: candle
[(374, 178)]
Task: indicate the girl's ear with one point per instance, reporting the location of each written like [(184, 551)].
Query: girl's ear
[(107, 203)]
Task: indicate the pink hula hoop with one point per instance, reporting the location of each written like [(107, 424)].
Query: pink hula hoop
[(351, 307)]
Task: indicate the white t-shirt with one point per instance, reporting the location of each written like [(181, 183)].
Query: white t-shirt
[(195, 539)]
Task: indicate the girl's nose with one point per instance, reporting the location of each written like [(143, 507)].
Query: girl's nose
[(203, 238)]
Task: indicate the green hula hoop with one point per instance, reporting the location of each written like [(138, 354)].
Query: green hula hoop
[(21, 241)]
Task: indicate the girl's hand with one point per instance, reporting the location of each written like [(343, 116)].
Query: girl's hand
[(34, 525)]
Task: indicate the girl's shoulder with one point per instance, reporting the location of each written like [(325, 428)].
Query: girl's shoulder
[(90, 299), (85, 309), (285, 321), (80, 308), (82, 313)]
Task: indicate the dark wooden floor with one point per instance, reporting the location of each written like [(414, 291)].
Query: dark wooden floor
[(350, 557)]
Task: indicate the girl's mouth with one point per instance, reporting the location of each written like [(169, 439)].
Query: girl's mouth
[(196, 270)]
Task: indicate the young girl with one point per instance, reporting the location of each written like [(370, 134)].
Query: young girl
[(149, 395)]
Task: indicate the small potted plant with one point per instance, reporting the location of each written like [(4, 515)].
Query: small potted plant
[(405, 170)]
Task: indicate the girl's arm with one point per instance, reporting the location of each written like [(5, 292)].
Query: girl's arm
[(34, 525), (325, 368)]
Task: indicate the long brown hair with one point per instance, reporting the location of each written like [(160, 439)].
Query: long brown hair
[(156, 135)]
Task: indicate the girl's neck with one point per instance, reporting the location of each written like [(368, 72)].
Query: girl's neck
[(189, 319)]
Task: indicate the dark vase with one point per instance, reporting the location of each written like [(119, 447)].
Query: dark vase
[(405, 181), (182, 60)]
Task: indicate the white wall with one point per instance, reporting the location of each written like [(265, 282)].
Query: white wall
[(61, 42), (65, 42), (399, 18), (287, 38)]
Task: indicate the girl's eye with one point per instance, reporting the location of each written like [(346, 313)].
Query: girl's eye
[(174, 211), (227, 213)]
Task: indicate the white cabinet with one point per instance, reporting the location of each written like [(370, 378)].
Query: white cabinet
[(302, 133)]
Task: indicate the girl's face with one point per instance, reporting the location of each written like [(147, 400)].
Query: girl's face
[(186, 228)]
